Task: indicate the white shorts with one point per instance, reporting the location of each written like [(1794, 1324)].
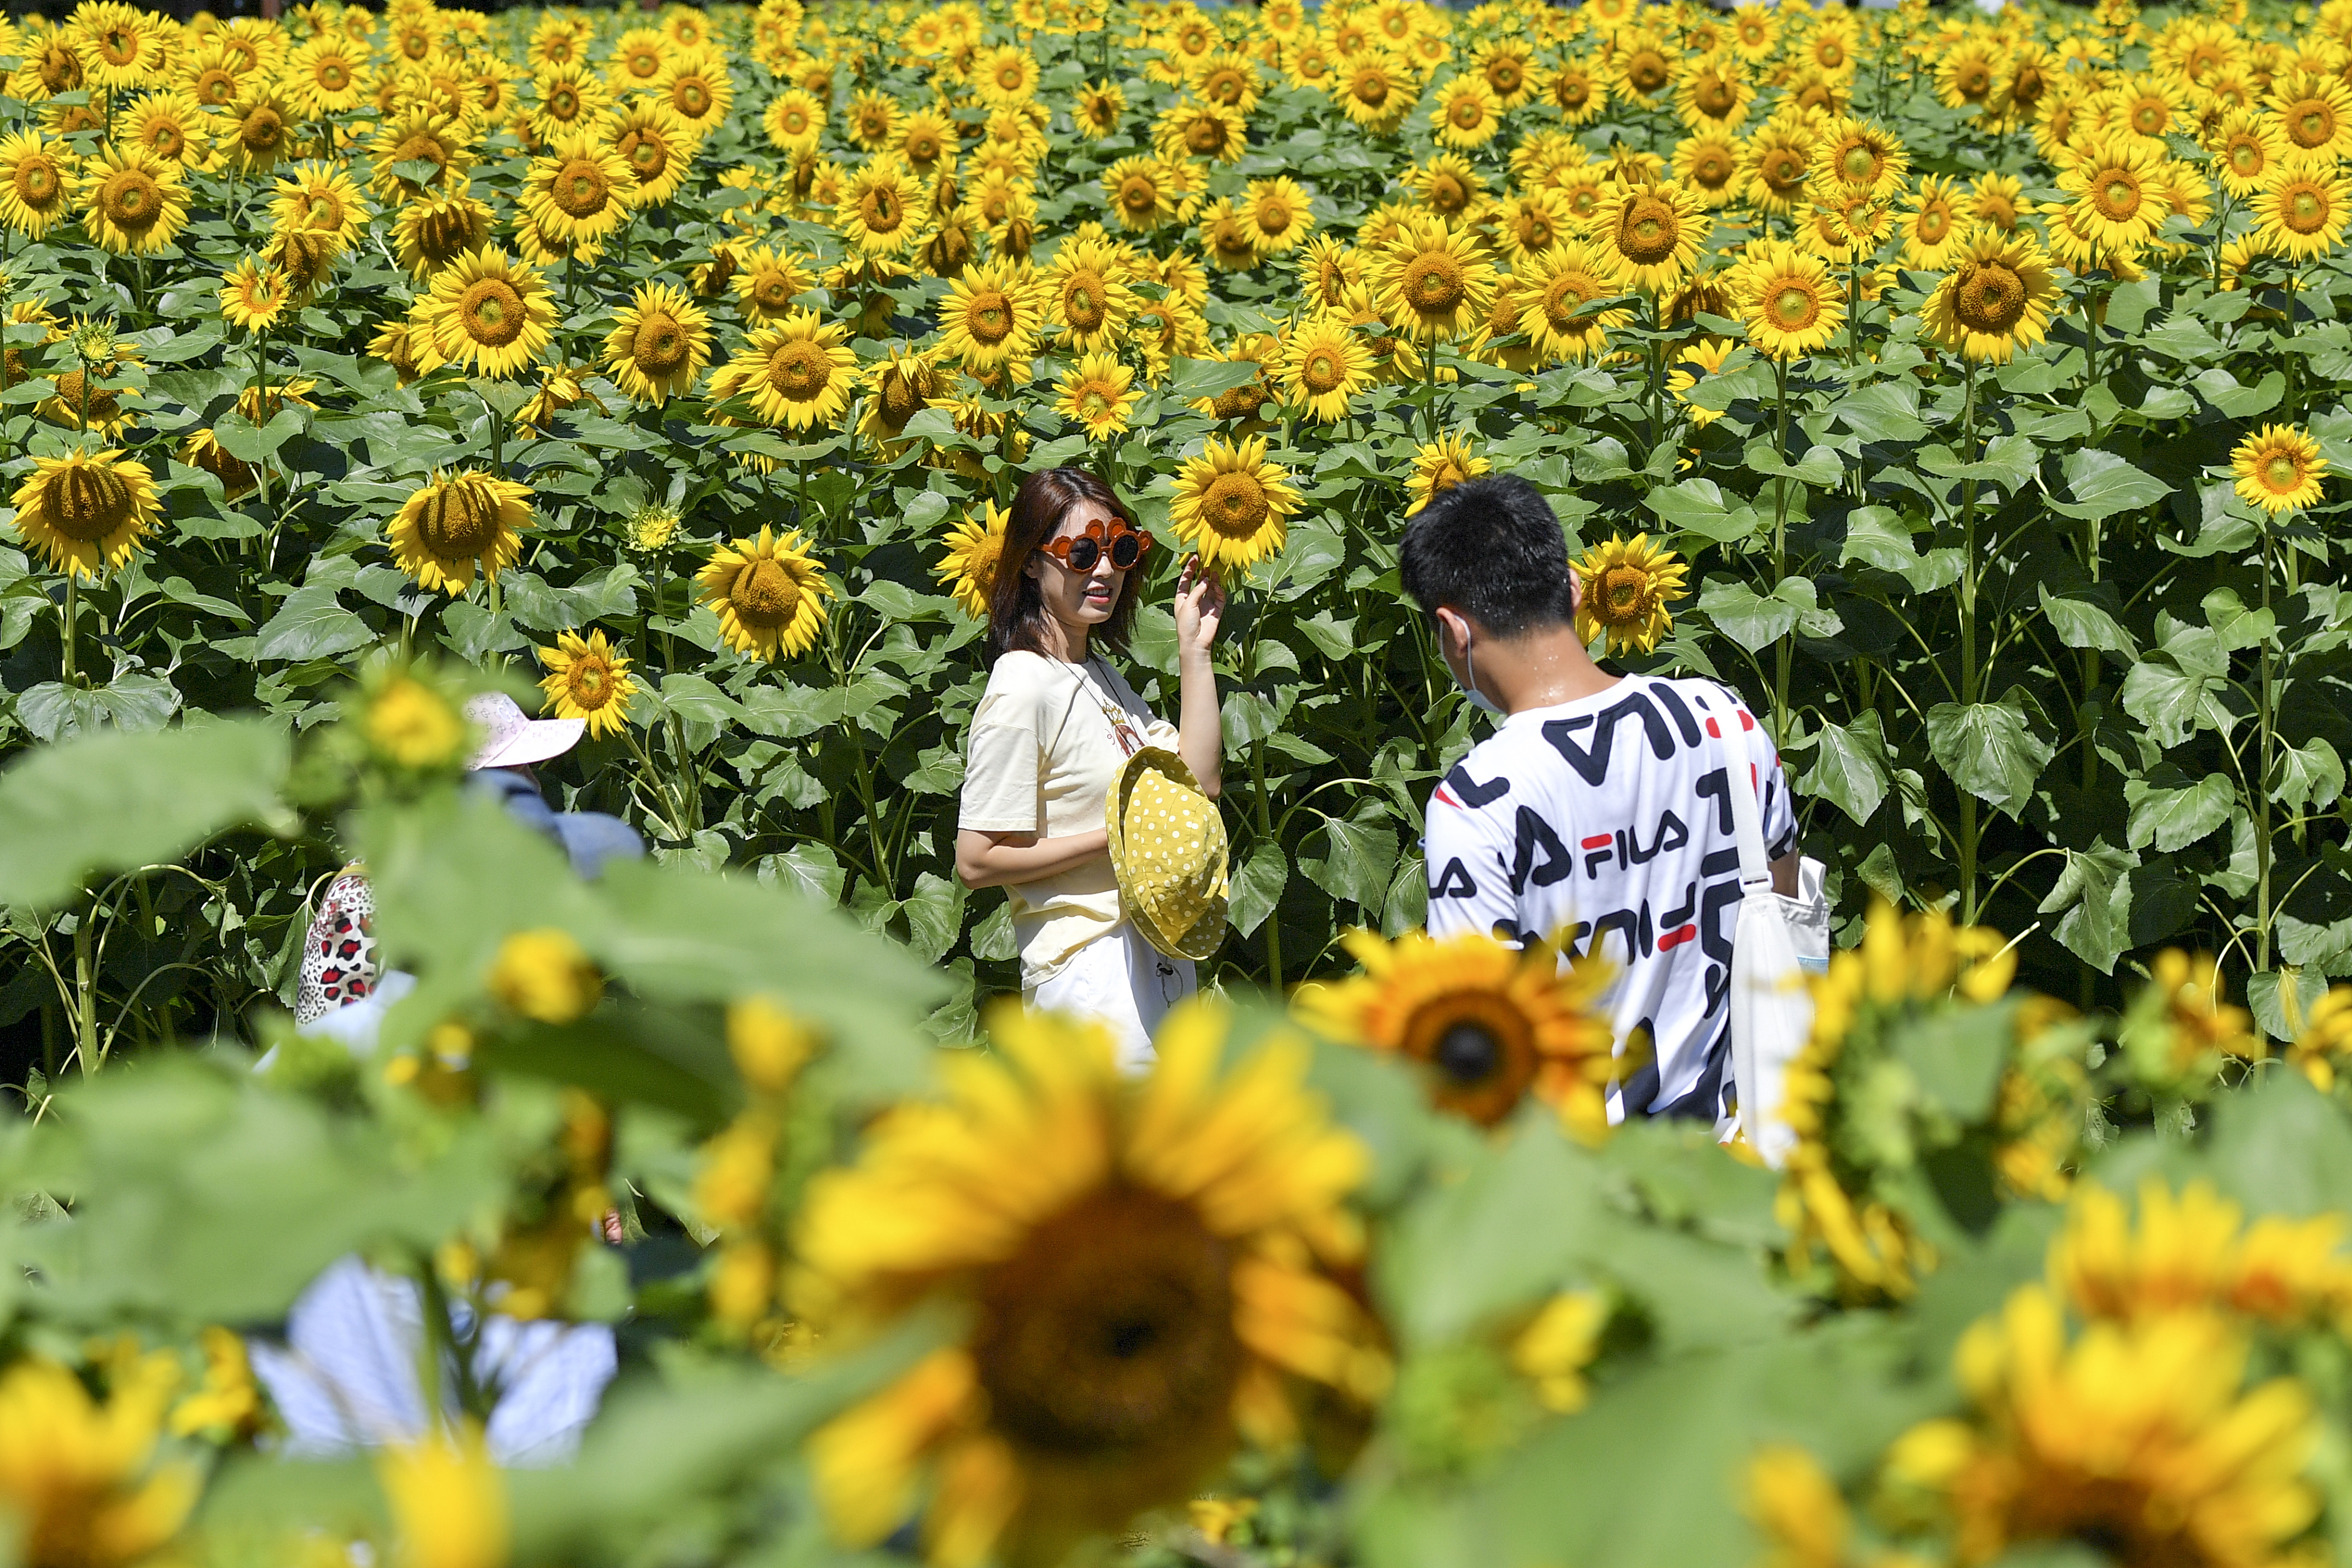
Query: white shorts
[(1123, 982)]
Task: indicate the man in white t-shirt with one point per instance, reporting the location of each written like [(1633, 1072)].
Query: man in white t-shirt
[(1597, 814)]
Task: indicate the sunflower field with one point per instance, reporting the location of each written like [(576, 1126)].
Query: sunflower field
[(1964, 387)]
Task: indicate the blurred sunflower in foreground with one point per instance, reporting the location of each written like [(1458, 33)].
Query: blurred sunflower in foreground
[(1146, 1267), (1488, 1024)]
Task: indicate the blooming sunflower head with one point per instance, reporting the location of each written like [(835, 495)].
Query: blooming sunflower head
[(797, 373), (2279, 469), (1489, 1025), (1650, 234), (1159, 1269), (132, 201), (253, 296), (36, 183), (457, 522), (582, 192), (1861, 156), (587, 679), (1438, 466), (1433, 281), (992, 317), (1324, 365), (975, 546), (1997, 298), (1791, 303), (659, 342), (491, 312), (1098, 394), (1230, 504), (1626, 586), (85, 511), (769, 594)]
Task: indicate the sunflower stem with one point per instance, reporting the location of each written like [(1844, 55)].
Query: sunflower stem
[(1968, 671), (260, 408), (2262, 791), (72, 617)]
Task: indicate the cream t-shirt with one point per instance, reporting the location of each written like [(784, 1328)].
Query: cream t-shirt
[(1047, 741)]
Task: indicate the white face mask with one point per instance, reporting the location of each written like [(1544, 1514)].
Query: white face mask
[(1478, 699)]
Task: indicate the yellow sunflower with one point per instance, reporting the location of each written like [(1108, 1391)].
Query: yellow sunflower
[(1438, 466), (168, 124), (1468, 113), (769, 594), (2314, 115), (1230, 503), (2300, 213), (2119, 194), (1650, 234), (1778, 164), (905, 381), (417, 136), (587, 679), (796, 373), (698, 88), (132, 202), (440, 229), (993, 318), (1087, 293), (767, 281), (795, 120), (455, 523), (321, 199), (1558, 284), (260, 131), (85, 511), (639, 56), (121, 45), (1005, 75), (1714, 95), (579, 194), (1693, 365), (1099, 393), (975, 546), (657, 148), (327, 76), (883, 209), (1488, 1024), (2143, 1436), (1143, 193), (1325, 364), (2279, 469), (1708, 165), (1627, 585), (1860, 156), (202, 449), (252, 297), (1433, 281), (1997, 299), (36, 183), (1277, 213), (1099, 108), (1791, 302), (490, 312), (1934, 229), (1141, 1267), (1188, 129), (1376, 92), (659, 342), (570, 99)]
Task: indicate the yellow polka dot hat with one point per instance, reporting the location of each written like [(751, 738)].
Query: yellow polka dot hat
[(1168, 849)]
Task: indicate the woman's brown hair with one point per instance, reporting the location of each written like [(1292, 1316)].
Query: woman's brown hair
[(1016, 611)]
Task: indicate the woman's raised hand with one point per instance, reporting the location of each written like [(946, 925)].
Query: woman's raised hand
[(1200, 608)]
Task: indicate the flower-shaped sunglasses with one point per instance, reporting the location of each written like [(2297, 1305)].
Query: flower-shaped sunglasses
[(1125, 544)]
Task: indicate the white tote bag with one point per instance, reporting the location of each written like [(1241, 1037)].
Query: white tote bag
[(1777, 940)]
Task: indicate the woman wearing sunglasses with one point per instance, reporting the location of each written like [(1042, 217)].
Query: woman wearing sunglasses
[(1050, 734)]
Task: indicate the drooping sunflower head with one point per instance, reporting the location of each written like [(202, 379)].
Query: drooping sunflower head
[(975, 546), (1489, 1026), (86, 511), (458, 523), (2279, 469), (1230, 504), (438, 229), (769, 594), (587, 679), (1999, 295), (1626, 586), (1144, 1289)]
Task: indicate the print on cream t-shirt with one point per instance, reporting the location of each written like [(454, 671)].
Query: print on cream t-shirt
[(1047, 739)]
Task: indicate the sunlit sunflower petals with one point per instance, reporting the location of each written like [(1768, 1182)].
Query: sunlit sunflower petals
[(1308, 1325), (979, 1491), (865, 1460)]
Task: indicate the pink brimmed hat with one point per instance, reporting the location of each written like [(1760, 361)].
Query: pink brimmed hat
[(512, 738)]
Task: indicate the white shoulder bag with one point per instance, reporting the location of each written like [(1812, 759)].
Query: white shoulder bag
[(1776, 941)]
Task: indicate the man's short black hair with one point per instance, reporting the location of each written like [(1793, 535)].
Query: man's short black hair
[(1491, 548)]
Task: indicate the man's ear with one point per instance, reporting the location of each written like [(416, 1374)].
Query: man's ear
[(1453, 631)]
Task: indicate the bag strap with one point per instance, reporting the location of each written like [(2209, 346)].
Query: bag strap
[(1746, 821)]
